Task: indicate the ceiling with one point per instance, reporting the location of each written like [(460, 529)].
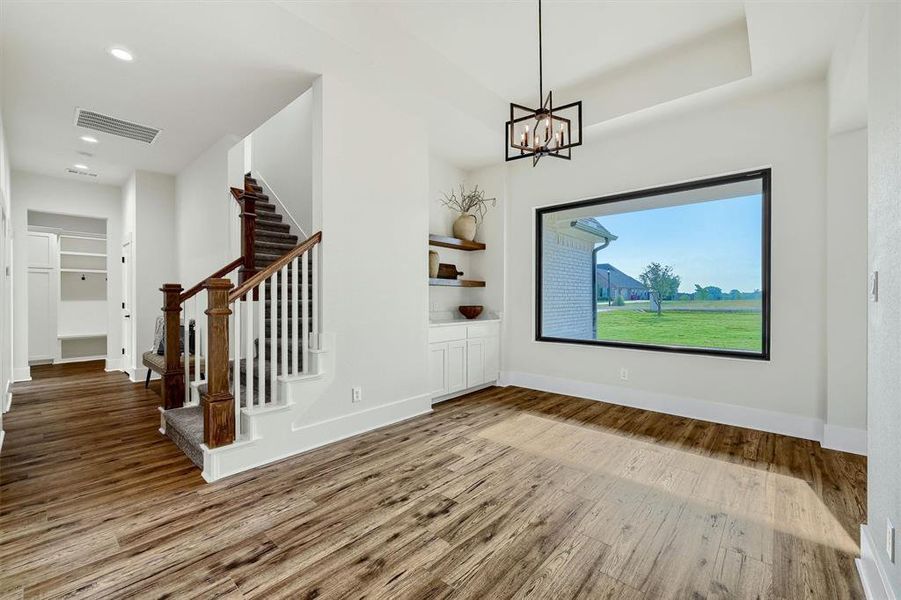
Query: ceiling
[(207, 69)]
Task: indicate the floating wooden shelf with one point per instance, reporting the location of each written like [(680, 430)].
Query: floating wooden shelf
[(456, 243), (456, 282)]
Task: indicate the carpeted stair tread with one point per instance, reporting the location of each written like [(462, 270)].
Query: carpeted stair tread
[(184, 426)]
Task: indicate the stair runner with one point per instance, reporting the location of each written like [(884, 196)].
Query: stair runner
[(272, 239)]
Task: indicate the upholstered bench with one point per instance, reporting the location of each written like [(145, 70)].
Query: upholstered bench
[(156, 363)]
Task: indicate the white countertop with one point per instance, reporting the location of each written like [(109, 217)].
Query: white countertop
[(448, 318)]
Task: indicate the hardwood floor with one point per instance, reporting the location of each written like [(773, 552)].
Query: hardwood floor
[(507, 493)]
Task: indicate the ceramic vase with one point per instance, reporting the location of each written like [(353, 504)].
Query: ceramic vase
[(465, 227), (433, 264)]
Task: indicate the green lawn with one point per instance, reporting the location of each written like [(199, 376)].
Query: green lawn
[(730, 330)]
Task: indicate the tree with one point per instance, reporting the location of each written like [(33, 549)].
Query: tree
[(701, 293), (735, 295), (714, 293), (661, 281)]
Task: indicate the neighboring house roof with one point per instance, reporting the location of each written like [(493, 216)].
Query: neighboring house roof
[(618, 279), (594, 227)]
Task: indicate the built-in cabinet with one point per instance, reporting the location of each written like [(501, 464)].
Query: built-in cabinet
[(67, 296), (462, 356)]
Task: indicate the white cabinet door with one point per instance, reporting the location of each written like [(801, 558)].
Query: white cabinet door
[(492, 359), (438, 369), (41, 250), (41, 305), (475, 362), (456, 366)]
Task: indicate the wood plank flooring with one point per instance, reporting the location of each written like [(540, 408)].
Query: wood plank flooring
[(506, 493)]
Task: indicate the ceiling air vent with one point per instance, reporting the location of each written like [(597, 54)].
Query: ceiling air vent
[(107, 124), (82, 173)]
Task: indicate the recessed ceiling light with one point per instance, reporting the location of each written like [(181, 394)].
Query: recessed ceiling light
[(80, 166), (121, 53), (88, 139)]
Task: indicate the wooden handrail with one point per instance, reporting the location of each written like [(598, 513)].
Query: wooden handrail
[(263, 275), (191, 292)]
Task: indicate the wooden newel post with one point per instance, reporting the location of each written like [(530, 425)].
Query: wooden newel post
[(248, 234), (218, 402), (173, 385)]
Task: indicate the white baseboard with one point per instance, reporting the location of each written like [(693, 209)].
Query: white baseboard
[(846, 439), (873, 578), (78, 359), (114, 364), (22, 374), (728, 414), (7, 397), (241, 456), (139, 374), (2, 437)]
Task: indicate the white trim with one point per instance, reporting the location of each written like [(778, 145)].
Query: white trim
[(846, 439), (259, 451), (873, 577), (139, 374), (114, 364), (75, 359), (2, 437), (267, 189), (728, 414), (22, 374), (7, 397)]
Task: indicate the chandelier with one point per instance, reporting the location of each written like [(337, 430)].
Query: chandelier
[(545, 131)]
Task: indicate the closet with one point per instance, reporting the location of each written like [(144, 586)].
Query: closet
[(67, 293)]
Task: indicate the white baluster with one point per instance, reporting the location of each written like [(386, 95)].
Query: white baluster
[(294, 316), (284, 340), (197, 349), (316, 296), (236, 366), (305, 310), (186, 356), (261, 346), (273, 335), (248, 351)]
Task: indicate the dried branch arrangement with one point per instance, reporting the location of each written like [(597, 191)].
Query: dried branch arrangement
[(472, 202)]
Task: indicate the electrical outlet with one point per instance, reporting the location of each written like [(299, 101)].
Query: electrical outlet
[(434, 307), (357, 394), (624, 374), (890, 540)]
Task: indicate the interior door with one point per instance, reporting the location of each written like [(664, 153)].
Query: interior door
[(127, 345)]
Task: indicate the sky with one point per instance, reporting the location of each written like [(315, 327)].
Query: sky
[(708, 243)]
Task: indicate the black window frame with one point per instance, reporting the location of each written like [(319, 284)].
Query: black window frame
[(765, 177)]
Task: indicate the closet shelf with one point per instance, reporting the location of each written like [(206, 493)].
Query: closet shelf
[(80, 336), (82, 270), (67, 253)]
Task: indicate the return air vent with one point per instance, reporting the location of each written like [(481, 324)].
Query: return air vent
[(107, 124), (82, 173)]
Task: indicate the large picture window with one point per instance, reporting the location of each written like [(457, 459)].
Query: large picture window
[(681, 268)]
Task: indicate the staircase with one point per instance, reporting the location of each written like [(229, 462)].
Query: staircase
[(272, 239)]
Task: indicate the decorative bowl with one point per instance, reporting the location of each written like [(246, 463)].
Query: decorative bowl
[(470, 311)]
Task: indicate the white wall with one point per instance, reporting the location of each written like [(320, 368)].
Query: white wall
[(846, 285), (782, 128), (6, 282), (282, 149), (884, 320), (51, 194), (374, 269), (204, 214), (154, 254)]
